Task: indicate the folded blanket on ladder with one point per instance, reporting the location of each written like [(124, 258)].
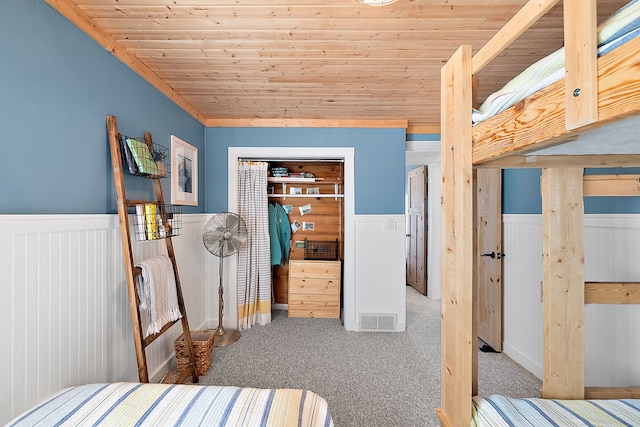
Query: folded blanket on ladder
[(157, 292)]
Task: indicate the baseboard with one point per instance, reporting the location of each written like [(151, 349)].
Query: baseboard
[(521, 359)]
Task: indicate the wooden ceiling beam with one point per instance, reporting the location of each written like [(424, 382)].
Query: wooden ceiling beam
[(544, 161)]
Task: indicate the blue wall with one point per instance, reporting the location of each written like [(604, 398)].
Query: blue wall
[(521, 194), (57, 88), (379, 161)]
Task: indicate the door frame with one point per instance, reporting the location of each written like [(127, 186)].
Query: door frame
[(347, 154), (489, 269), (419, 153), (417, 219)]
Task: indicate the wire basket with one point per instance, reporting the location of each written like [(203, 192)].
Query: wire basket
[(153, 221), (321, 250), (144, 159)]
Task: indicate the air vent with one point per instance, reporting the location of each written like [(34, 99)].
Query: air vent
[(378, 322)]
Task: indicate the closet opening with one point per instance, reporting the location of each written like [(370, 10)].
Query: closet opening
[(314, 187), (306, 206)]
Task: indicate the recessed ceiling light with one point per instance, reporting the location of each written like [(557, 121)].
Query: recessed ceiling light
[(376, 2)]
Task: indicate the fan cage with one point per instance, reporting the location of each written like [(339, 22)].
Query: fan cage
[(224, 234), (154, 221)]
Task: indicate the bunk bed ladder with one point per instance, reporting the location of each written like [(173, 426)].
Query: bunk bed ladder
[(612, 292), (565, 291), (141, 342)]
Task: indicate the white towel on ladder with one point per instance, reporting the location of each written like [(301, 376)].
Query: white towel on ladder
[(157, 292)]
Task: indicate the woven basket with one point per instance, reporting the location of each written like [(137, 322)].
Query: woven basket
[(202, 349)]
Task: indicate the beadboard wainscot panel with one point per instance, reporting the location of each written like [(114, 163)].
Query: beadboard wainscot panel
[(522, 298), (65, 312), (612, 332)]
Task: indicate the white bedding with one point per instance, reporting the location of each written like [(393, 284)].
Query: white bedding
[(619, 28)]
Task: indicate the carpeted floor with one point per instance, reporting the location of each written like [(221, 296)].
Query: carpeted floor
[(369, 379)]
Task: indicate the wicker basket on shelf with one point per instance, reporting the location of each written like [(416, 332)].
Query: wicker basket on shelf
[(202, 349)]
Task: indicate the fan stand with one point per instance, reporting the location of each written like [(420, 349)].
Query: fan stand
[(222, 336)]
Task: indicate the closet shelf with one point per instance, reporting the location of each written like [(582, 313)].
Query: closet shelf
[(307, 182), (311, 196), (301, 180)]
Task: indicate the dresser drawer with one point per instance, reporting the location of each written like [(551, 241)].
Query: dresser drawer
[(320, 300), (311, 286), (314, 288), (313, 306), (316, 269)]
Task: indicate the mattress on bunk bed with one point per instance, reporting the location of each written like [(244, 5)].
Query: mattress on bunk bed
[(129, 404), (619, 28), (497, 411)]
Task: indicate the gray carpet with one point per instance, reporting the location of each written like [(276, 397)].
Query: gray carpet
[(369, 379)]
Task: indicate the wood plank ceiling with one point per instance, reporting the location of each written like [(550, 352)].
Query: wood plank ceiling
[(306, 62)]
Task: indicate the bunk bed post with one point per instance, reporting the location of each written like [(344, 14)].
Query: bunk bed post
[(563, 283), (581, 65), (458, 342)]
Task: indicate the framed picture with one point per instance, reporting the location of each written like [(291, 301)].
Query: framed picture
[(184, 172)]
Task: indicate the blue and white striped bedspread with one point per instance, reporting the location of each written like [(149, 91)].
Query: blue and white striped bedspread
[(499, 411), (132, 404)]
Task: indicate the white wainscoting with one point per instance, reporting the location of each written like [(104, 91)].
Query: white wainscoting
[(380, 267), (64, 312), (612, 332)]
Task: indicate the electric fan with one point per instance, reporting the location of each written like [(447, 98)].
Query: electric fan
[(223, 235)]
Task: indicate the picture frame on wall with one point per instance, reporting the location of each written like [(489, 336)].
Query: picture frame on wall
[(184, 172)]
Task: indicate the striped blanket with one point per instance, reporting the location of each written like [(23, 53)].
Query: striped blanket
[(498, 411), (132, 404)]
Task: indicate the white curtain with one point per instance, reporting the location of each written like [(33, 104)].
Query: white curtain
[(254, 269)]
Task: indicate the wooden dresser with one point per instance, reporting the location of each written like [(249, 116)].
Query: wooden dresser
[(314, 288)]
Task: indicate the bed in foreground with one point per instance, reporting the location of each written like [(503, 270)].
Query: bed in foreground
[(498, 411), (129, 404)]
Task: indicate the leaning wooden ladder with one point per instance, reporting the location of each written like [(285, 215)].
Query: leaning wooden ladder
[(141, 342)]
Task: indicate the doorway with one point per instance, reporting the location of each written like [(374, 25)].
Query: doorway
[(347, 155), (490, 257), (417, 229), (427, 153)]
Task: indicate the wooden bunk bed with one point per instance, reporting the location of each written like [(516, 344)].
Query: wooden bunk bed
[(600, 91)]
